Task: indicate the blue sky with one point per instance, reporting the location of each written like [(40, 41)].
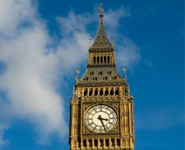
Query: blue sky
[(42, 42)]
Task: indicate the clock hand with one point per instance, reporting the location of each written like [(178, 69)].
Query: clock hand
[(103, 125), (104, 119), (101, 120)]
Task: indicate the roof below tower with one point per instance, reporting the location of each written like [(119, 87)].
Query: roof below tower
[(108, 75)]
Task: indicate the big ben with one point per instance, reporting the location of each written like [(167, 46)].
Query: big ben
[(101, 107)]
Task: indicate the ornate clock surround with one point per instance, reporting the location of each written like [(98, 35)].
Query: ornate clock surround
[(86, 106)]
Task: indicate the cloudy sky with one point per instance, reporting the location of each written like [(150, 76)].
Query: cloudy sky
[(42, 42)]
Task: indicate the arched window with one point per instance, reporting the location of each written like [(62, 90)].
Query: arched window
[(96, 92), (97, 59), (101, 142), (106, 92), (105, 78), (118, 142), (111, 92), (108, 59), (101, 58), (101, 92), (92, 73), (113, 142), (94, 59), (85, 92), (95, 143), (84, 143), (107, 142), (90, 92), (109, 72), (100, 72), (90, 143), (105, 59), (117, 92)]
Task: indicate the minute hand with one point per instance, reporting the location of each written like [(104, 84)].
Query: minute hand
[(101, 120)]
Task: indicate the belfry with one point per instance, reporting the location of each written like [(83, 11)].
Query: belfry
[(101, 107)]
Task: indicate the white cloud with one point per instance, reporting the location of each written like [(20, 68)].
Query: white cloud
[(30, 70), (128, 53), (113, 17), (34, 71), (13, 13)]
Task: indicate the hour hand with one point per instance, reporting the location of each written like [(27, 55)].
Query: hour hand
[(100, 118)]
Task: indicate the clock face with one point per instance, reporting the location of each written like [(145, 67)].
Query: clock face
[(100, 118)]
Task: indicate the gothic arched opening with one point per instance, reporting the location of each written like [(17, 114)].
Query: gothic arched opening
[(96, 92), (105, 59), (95, 143), (107, 142), (118, 142), (101, 142), (101, 59), (90, 92), (101, 92), (85, 92), (106, 92), (113, 142), (84, 143), (117, 92), (94, 58), (111, 92), (108, 59), (90, 143), (97, 59)]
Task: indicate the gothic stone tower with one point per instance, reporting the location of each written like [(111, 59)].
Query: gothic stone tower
[(101, 107)]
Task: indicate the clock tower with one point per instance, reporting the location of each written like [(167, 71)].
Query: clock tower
[(101, 107)]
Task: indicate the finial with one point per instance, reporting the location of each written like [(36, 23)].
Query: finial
[(101, 10), (77, 72), (90, 39), (112, 40), (74, 92), (125, 72)]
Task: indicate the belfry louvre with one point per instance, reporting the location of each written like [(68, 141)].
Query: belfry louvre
[(101, 107)]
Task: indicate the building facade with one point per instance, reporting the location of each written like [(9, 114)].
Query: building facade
[(101, 107)]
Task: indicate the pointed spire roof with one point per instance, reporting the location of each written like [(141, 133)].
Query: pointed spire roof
[(101, 40)]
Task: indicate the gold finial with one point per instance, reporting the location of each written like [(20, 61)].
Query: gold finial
[(101, 10)]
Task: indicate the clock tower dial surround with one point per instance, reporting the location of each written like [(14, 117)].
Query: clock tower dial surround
[(100, 118), (101, 107)]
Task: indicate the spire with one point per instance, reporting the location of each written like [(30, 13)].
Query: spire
[(101, 40)]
